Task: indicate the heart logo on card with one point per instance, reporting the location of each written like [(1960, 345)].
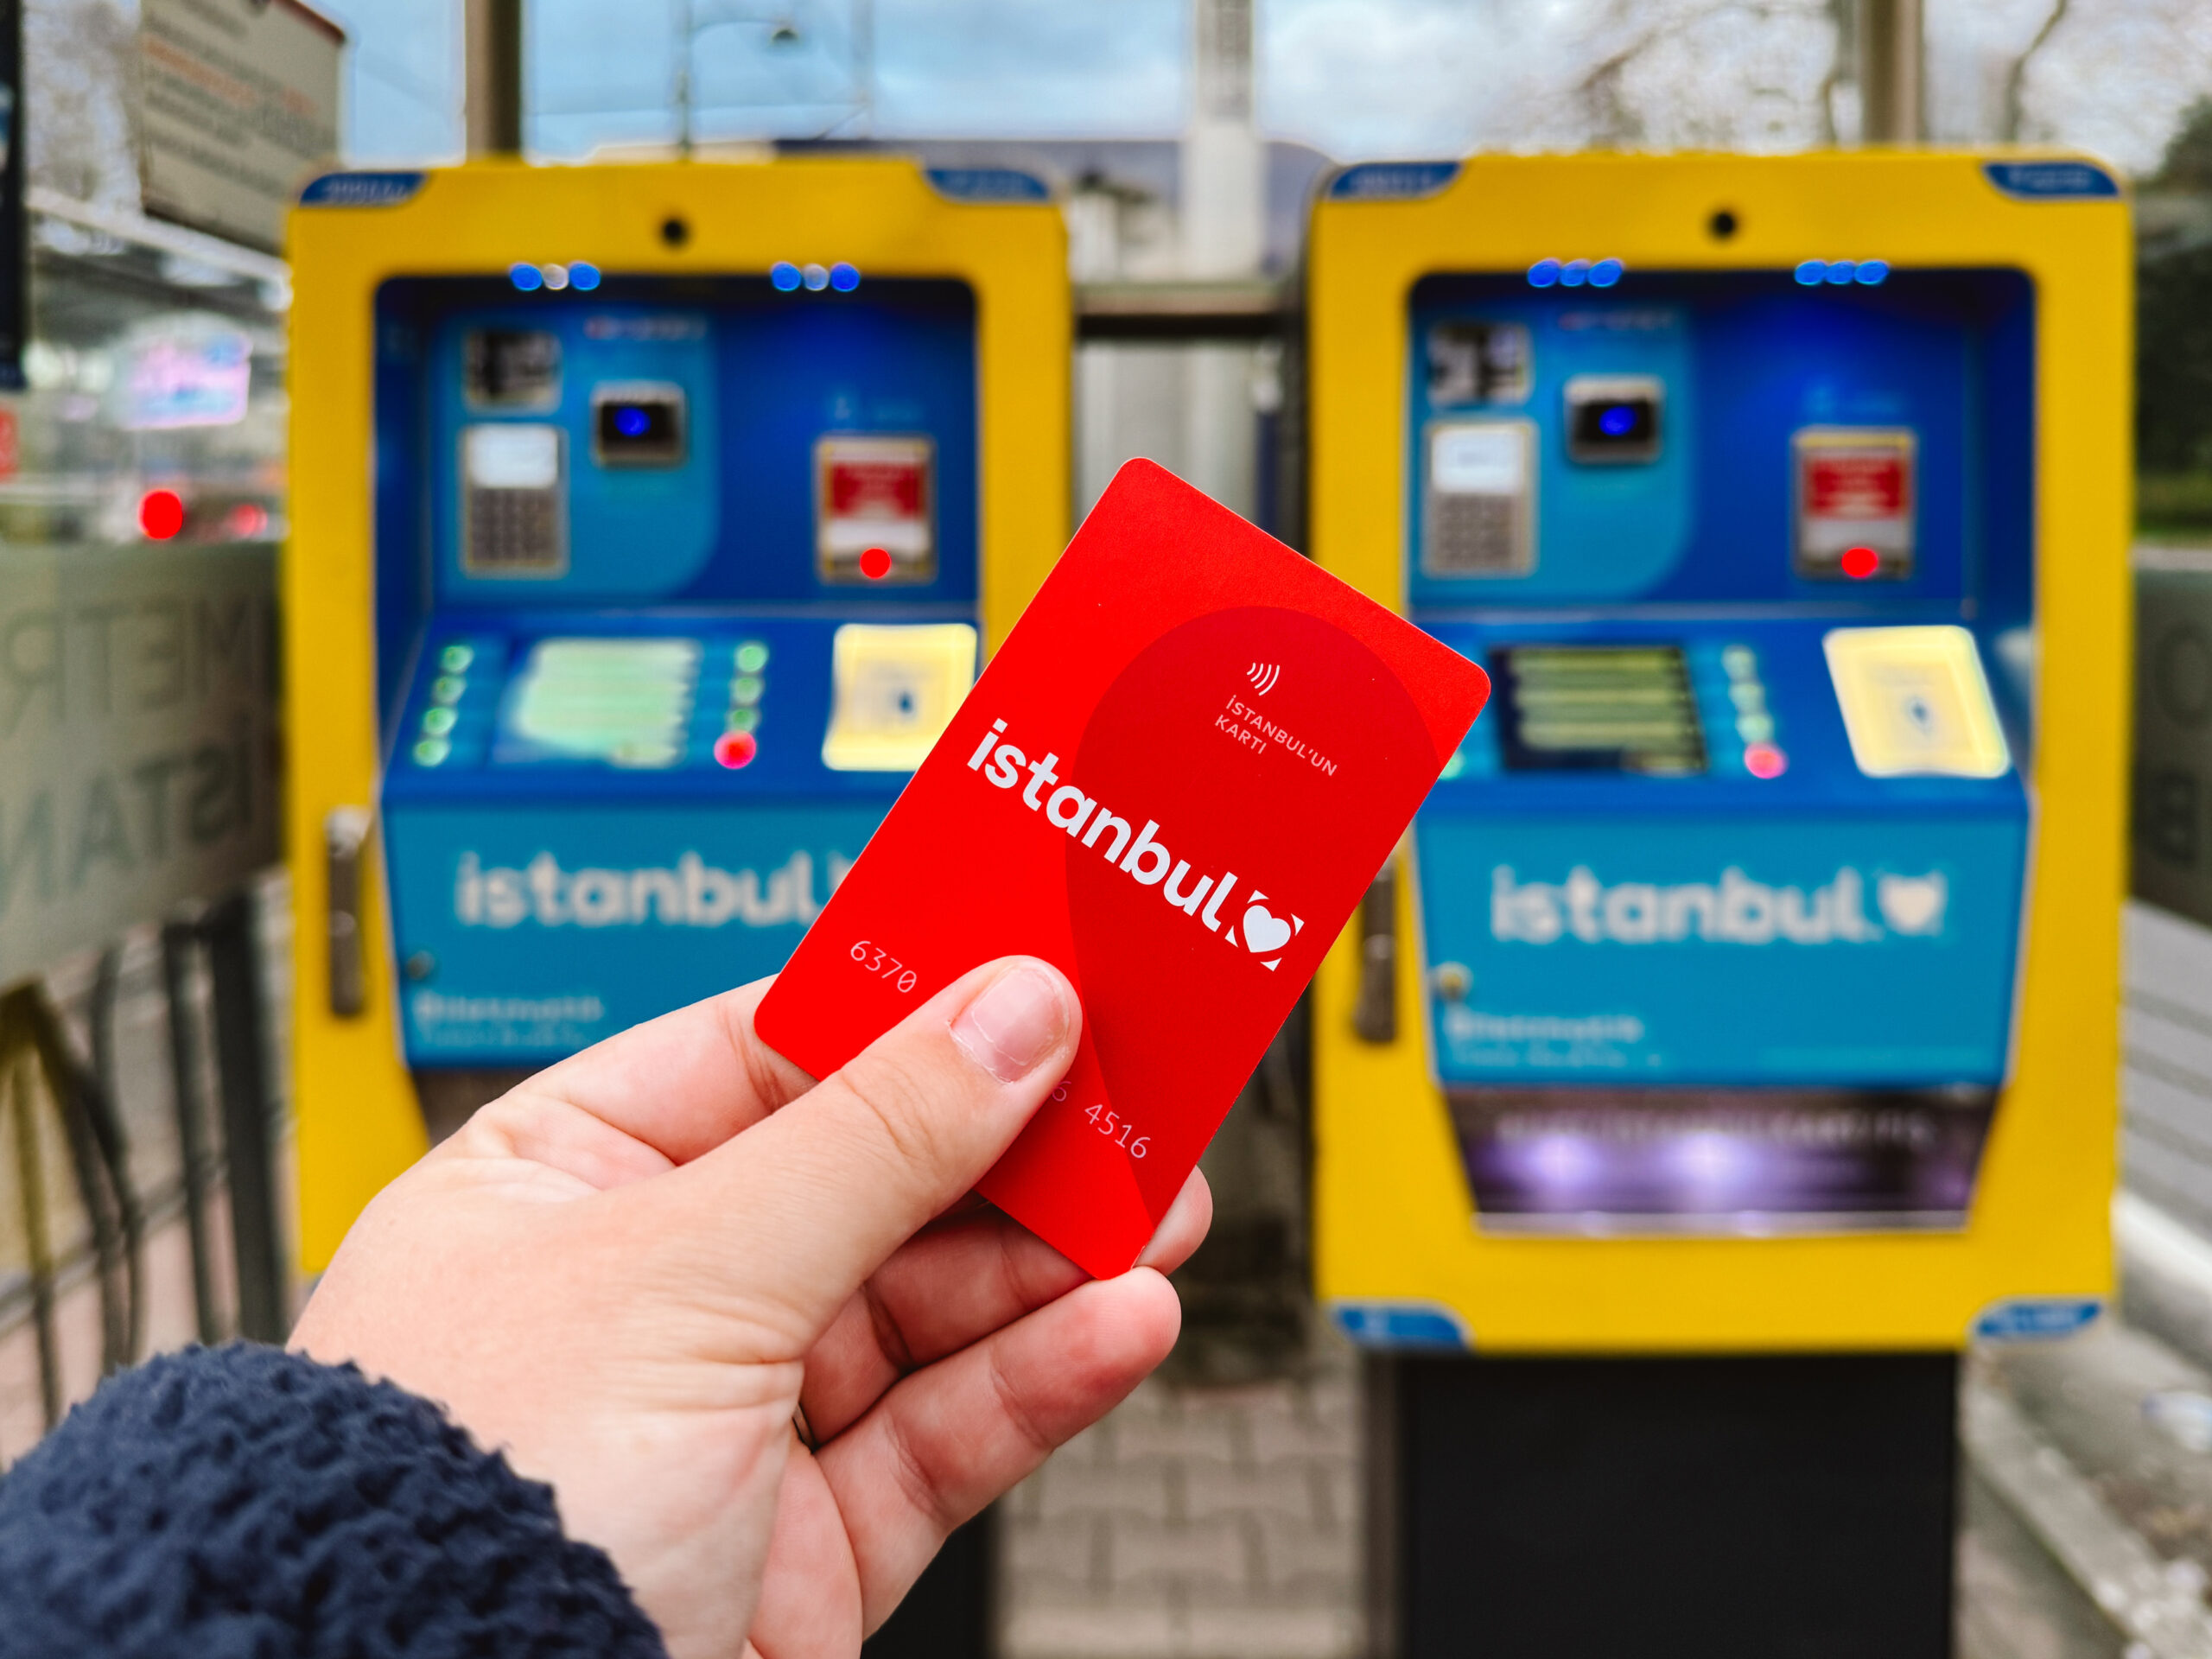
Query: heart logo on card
[(1264, 933)]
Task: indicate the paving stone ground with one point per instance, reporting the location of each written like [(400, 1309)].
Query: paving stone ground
[(1195, 1523)]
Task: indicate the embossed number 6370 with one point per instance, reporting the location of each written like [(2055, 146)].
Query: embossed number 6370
[(875, 960)]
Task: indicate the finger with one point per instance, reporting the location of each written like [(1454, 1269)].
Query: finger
[(683, 1084), (1183, 1228), (809, 1603), (783, 1222), (953, 1285), (952, 1437)]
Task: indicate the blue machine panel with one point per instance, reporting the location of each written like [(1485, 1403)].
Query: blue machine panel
[(1745, 363), (1813, 927), (618, 532), (1690, 965)]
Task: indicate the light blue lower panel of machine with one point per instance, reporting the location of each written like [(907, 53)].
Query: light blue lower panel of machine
[(524, 935), (1859, 951)]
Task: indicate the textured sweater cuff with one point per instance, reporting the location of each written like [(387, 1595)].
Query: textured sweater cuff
[(244, 1502)]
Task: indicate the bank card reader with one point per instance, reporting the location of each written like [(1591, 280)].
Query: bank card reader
[(693, 498), (1728, 956)]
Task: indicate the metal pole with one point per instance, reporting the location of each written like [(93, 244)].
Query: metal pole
[(178, 946), (17, 1063), (864, 63), (1890, 88), (233, 964), (493, 49), (686, 37)]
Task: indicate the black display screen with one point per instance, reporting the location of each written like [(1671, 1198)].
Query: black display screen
[(512, 368), (1597, 708)]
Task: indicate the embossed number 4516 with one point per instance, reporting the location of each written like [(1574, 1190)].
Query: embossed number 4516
[(1111, 1126)]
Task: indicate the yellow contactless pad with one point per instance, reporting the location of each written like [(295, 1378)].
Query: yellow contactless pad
[(1915, 703), (896, 689)]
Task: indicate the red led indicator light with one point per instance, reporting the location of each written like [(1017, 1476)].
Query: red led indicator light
[(1860, 562), (161, 514), (1765, 761), (735, 749), (875, 563)]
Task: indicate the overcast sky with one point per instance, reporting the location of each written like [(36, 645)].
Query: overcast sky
[(1355, 77)]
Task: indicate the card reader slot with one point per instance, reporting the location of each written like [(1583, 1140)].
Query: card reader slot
[(1374, 1015), (345, 835)]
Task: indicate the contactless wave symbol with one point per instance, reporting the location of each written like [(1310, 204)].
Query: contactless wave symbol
[(1263, 677)]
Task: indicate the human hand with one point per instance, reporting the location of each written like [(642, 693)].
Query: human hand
[(628, 1272)]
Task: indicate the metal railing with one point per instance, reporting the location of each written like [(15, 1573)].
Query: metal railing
[(221, 1103)]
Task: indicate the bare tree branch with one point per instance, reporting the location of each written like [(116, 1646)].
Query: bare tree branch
[(2016, 79)]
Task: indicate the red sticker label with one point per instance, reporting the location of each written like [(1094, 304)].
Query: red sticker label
[(875, 489), (1855, 486)]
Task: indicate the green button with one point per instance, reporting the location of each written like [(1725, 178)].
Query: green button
[(744, 690), (436, 723), (448, 689), (744, 720), (432, 751), (752, 656), (455, 659)]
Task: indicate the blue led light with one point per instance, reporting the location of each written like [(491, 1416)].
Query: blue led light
[(1871, 271), (583, 277), (1813, 272), (844, 277), (1839, 271), (1543, 274), (784, 275), (1605, 273), (1616, 422), (629, 421), (526, 277), (1574, 273)]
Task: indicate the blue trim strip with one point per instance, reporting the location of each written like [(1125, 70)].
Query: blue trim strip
[(2036, 1318), (987, 184), (2052, 181), (1392, 181), (362, 189)]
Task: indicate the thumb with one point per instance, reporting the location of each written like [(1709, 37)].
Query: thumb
[(793, 1214)]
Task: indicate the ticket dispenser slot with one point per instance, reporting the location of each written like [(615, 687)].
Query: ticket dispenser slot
[(1854, 499), (874, 521)]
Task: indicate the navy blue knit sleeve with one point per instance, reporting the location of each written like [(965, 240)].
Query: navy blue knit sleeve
[(245, 1504)]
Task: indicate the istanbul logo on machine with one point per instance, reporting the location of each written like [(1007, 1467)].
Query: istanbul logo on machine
[(690, 892), (1138, 854), (1734, 910)]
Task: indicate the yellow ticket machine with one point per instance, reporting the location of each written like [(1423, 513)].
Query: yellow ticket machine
[(1735, 1037), (648, 523)]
